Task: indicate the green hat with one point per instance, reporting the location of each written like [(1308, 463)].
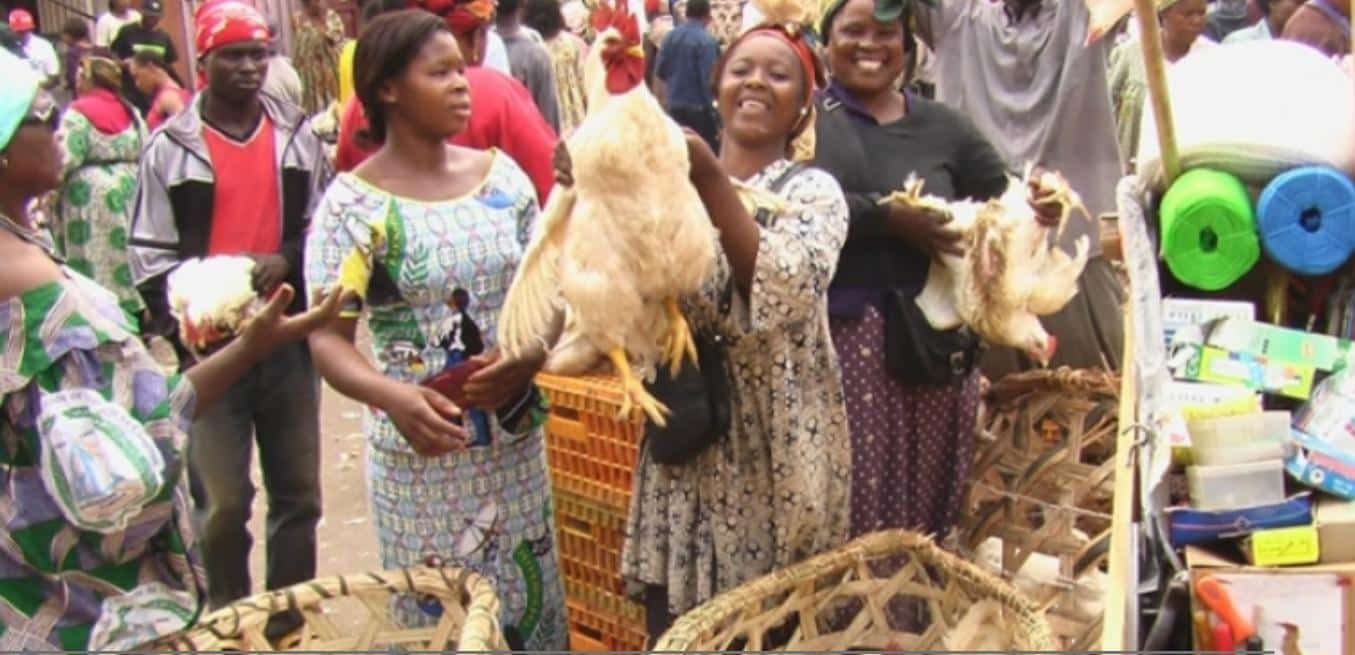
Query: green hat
[(20, 88), (885, 11)]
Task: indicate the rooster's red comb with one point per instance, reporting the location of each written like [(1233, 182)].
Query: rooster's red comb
[(619, 17)]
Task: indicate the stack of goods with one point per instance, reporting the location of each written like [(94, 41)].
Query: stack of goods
[(1261, 420), (1264, 172)]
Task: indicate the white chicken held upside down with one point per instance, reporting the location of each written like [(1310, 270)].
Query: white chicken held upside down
[(1010, 274), (612, 254), (212, 299)]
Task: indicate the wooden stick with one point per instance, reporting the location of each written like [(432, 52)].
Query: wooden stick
[(1155, 74), (1114, 629)]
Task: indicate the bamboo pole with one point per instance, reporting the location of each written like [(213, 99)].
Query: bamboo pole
[(1155, 74), (1115, 635)]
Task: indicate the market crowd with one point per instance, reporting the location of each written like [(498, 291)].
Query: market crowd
[(430, 143)]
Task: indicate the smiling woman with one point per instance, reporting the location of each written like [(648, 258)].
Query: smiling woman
[(770, 492), (911, 443)]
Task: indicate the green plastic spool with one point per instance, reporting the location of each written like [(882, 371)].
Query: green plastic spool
[(1209, 236)]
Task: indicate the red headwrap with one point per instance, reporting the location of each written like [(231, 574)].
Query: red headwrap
[(223, 22), (462, 16), (794, 38)]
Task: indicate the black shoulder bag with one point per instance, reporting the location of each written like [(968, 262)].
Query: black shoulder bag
[(698, 399), (917, 353)]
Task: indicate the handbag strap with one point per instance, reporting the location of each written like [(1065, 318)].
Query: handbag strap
[(779, 183)]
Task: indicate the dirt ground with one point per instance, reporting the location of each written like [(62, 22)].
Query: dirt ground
[(347, 538)]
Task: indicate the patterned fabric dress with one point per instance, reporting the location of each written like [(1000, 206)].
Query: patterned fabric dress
[(566, 56), (488, 507), (911, 443), (315, 53), (95, 204), (772, 491), (58, 581)]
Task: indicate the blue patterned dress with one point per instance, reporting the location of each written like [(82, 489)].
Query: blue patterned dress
[(488, 507)]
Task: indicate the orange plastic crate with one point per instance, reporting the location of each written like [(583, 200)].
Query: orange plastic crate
[(591, 538), (591, 629), (591, 449)]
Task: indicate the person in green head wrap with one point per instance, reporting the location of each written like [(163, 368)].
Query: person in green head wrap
[(911, 439), (88, 564), (1183, 23)]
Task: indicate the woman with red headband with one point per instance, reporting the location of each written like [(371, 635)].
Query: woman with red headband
[(770, 491), (505, 116), (911, 440)]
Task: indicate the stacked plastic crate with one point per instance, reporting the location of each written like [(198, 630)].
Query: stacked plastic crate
[(592, 454)]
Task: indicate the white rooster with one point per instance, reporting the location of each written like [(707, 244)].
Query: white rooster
[(615, 251), (1010, 273)]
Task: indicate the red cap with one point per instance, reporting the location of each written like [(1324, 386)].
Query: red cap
[(21, 21)]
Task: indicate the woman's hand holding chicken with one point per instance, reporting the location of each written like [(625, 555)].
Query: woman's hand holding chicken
[(705, 165), (925, 229)]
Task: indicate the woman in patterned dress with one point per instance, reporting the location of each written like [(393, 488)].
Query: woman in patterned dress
[(426, 219), (771, 491), (65, 338), (100, 138), (567, 53), (911, 443), (317, 38)]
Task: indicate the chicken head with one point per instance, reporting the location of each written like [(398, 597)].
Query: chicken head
[(616, 64)]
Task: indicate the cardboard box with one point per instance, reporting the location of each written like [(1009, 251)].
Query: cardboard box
[(1183, 312), (1278, 344), (1319, 600), (1321, 465), (1329, 415), (1282, 546), (1334, 519), (1209, 364)]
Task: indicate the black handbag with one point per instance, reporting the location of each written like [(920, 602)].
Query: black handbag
[(698, 399), (917, 353)]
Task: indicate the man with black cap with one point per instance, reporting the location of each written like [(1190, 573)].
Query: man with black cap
[(148, 35)]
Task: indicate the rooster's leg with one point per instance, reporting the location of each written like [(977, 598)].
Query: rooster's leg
[(679, 342), (635, 392)]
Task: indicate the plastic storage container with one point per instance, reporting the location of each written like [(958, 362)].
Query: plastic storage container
[(1236, 486), (1240, 439)]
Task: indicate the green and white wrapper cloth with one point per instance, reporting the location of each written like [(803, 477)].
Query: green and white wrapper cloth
[(98, 462), (133, 620)]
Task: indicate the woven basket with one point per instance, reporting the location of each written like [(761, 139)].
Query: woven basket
[(353, 613), (1042, 483), (852, 599)]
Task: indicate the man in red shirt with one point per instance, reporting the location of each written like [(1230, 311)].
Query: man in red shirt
[(503, 114), (239, 173)]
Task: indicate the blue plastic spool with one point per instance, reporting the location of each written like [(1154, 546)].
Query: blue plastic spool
[(1306, 218)]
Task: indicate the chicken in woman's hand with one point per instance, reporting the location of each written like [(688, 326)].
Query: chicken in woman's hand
[(1009, 273)]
